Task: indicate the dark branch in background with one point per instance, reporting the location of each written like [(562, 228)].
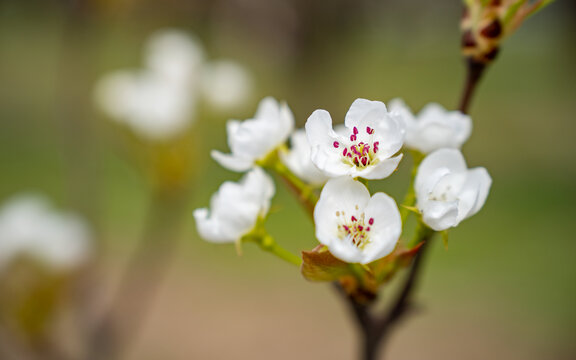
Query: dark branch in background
[(120, 323)]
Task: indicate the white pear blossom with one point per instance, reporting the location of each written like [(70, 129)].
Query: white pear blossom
[(298, 160), (159, 101), (253, 139), (176, 55), (235, 208), (29, 227), (446, 191), (150, 104), (355, 227), (226, 84), (434, 128), (374, 137)]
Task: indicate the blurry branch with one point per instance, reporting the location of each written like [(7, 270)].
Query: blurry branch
[(120, 324), (11, 348), (375, 327)]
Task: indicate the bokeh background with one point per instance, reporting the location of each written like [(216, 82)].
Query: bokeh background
[(504, 289)]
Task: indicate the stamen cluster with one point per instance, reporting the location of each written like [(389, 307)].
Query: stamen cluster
[(355, 230), (359, 153)]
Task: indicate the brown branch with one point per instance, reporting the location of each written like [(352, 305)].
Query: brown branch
[(125, 314), (375, 329), (474, 72)]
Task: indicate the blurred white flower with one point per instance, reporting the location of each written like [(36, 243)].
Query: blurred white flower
[(159, 101), (150, 104), (434, 128), (355, 227), (175, 55), (446, 191), (226, 84), (28, 226), (253, 139), (374, 136), (298, 160), (235, 208)]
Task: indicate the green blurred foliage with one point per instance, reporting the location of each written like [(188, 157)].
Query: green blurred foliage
[(511, 264)]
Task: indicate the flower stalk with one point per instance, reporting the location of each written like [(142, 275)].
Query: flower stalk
[(267, 243), (304, 192)]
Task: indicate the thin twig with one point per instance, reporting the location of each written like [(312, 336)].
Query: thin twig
[(108, 339), (474, 71)]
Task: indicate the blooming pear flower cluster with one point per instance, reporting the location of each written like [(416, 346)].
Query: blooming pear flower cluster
[(160, 100), (353, 225), (29, 227)]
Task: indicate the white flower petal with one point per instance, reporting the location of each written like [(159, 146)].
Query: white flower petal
[(355, 227), (440, 215), (253, 139), (386, 229), (235, 208), (363, 110), (447, 192), (436, 128), (437, 164), (298, 159), (370, 138), (28, 226), (475, 191), (382, 169), (231, 162), (319, 129)]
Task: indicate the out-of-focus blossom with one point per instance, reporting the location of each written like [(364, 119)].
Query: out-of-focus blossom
[(298, 160), (150, 104), (226, 84), (253, 139), (29, 227), (175, 55), (374, 136), (355, 227), (446, 191), (159, 101), (434, 128), (235, 208)]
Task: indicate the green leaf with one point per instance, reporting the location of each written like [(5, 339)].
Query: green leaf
[(320, 265)]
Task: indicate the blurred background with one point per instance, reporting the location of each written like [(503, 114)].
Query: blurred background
[(504, 289)]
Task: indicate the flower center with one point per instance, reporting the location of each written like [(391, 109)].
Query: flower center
[(354, 228), (359, 153)]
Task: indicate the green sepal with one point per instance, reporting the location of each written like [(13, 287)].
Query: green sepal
[(444, 238), (413, 209)]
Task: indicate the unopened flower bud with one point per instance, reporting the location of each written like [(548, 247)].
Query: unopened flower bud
[(492, 30)]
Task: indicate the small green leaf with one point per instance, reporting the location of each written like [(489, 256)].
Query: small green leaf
[(320, 265)]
